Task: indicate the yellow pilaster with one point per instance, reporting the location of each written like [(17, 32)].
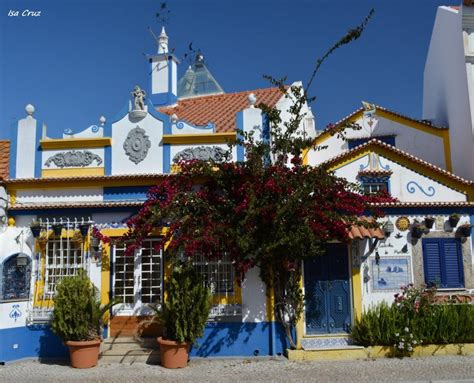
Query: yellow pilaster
[(300, 324), (357, 292)]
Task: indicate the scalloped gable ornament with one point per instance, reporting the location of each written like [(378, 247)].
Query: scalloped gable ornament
[(136, 145)]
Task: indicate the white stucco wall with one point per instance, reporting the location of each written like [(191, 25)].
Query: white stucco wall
[(393, 248), (76, 194), (254, 302), (408, 139), (26, 143), (445, 88), (159, 76), (403, 182), (153, 162)]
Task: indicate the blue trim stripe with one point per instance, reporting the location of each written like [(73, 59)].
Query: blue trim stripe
[(13, 148), (38, 151), (125, 193), (166, 158), (108, 151), (240, 125)]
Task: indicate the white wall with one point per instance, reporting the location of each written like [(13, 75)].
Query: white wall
[(74, 194), (26, 143), (153, 162), (410, 140), (445, 89), (403, 180), (254, 300)]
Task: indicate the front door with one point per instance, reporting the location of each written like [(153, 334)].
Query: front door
[(137, 280), (327, 291)]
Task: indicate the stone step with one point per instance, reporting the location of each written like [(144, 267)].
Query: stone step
[(328, 343), (131, 358), (123, 342), (130, 350)]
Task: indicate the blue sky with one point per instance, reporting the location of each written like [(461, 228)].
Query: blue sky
[(80, 59)]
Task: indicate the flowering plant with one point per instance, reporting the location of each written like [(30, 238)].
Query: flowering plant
[(405, 342), (269, 211)]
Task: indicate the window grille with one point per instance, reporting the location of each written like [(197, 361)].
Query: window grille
[(15, 279), (62, 255), (218, 276), (138, 279), (63, 259)]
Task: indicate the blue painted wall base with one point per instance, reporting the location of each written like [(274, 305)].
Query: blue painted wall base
[(30, 342), (241, 339)]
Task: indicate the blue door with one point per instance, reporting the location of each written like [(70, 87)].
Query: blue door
[(327, 292)]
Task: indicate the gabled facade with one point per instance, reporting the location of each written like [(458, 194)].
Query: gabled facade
[(99, 178)]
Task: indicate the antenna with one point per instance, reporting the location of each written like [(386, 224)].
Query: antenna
[(153, 34)]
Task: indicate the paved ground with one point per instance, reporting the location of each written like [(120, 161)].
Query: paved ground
[(432, 369)]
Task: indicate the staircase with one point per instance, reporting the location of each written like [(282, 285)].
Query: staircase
[(130, 350)]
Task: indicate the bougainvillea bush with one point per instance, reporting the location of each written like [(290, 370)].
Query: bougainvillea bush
[(269, 211)]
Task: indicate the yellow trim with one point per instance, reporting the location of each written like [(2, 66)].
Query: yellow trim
[(270, 305), (207, 138), (105, 275), (74, 143), (300, 324), (72, 172), (12, 197), (380, 352), (356, 281)]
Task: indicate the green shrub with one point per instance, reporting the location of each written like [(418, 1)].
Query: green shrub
[(378, 325), (78, 315), (414, 316), (185, 312)]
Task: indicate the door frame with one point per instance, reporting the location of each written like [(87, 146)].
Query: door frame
[(137, 308), (351, 297)]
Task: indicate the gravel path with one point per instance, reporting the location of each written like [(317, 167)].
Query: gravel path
[(432, 369)]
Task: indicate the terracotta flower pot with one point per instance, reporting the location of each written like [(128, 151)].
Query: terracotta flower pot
[(173, 354), (84, 354)]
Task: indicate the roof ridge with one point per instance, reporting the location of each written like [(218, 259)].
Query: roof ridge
[(398, 151), (382, 108), (218, 95)]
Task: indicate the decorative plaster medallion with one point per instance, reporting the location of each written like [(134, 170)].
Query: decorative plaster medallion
[(402, 223), (73, 158), (15, 313), (203, 153), (136, 145)]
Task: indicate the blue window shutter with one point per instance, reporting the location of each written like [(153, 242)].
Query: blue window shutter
[(432, 262), (452, 263)]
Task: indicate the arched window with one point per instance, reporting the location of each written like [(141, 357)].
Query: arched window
[(15, 278)]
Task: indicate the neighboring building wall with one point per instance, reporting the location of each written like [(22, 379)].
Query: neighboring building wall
[(445, 90), (409, 139), (401, 250), (405, 184)]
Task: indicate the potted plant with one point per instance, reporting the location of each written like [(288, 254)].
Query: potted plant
[(417, 230), (57, 229), (35, 228), (429, 221), (183, 315), (454, 219), (465, 230), (78, 318)]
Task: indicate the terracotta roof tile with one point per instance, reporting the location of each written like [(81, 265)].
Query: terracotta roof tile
[(220, 109), (4, 159), (361, 232)]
